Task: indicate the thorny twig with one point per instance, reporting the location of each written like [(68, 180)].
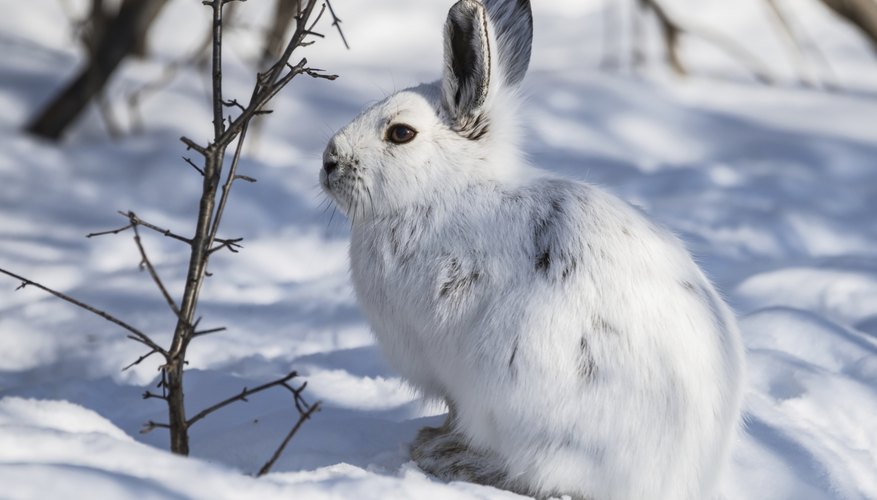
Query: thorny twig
[(242, 396), (305, 411), (145, 262)]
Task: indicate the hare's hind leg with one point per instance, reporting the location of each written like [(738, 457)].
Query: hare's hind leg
[(446, 454)]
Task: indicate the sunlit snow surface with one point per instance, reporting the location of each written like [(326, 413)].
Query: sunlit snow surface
[(773, 188)]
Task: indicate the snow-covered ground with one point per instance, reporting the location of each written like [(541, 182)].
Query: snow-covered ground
[(773, 188)]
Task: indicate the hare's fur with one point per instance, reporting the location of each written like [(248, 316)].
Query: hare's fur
[(580, 348)]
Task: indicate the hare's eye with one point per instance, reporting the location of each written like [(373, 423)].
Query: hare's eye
[(400, 134)]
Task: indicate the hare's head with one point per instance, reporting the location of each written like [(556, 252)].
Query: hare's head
[(426, 141)]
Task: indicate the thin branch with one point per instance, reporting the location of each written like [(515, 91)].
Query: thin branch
[(111, 231), (140, 360), (310, 29), (209, 331), (233, 103), (233, 245), (337, 24), (242, 396), (164, 232), (152, 272), (232, 172), (151, 426), (140, 336), (152, 395), (218, 117), (192, 164), (301, 420), (190, 144)]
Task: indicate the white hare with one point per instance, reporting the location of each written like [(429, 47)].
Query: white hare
[(579, 348)]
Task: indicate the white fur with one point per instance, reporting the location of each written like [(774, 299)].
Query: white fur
[(583, 351)]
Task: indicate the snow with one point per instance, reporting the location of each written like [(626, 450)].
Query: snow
[(774, 189)]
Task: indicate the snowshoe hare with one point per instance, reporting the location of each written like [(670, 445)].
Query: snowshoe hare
[(579, 348)]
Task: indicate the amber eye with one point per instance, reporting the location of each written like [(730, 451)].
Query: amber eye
[(400, 134)]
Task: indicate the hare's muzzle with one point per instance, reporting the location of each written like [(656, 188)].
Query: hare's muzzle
[(330, 166)]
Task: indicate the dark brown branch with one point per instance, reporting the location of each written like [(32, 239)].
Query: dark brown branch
[(209, 331), (152, 272), (192, 164), (233, 103), (164, 232), (226, 188), (190, 144), (301, 420), (140, 360), (242, 396), (218, 117), (152, 395), (111, 231), (137, 334), (151, 426), (337, 24), (232, 245)]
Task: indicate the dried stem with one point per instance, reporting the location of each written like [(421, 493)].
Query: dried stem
[(135, 333), (302, 418), (152, 272), (242, 396), (337, 24)]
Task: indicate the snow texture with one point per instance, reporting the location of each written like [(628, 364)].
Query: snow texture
[(774, 189)]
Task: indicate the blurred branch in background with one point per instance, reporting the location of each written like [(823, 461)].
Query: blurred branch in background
[(799, 55), (672, 30), (109, 41), (275, 37), (860, 14)]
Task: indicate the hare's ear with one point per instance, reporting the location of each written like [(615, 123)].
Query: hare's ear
[(512, 21), (467, 60)]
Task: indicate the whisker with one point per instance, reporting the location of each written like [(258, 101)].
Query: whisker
[(326, 201), (332, 217)]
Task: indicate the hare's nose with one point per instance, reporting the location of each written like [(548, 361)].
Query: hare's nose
[(330, 166)]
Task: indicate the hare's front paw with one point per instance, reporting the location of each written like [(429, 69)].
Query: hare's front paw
[(445, 454)]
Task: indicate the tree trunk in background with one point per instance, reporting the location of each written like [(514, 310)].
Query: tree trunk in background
[(275, 41), (119, 39), (860, 13)]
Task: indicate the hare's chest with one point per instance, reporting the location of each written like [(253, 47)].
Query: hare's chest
[(414, 276), (386, 260)]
